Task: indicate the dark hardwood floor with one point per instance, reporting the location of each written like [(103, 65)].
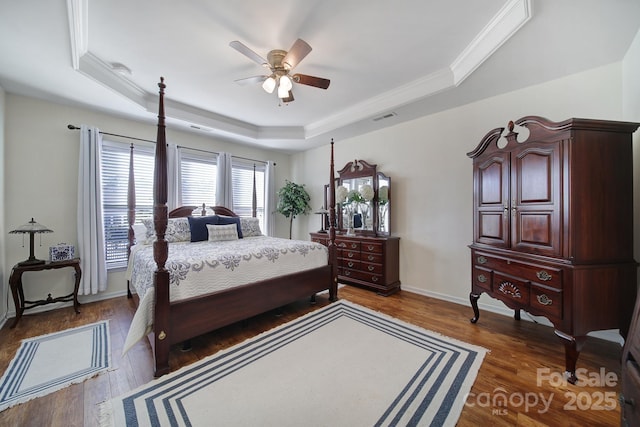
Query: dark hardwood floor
[(509, 373)]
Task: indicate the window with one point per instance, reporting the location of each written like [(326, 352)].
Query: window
[(115, 181), (242, 176), (198, 170)]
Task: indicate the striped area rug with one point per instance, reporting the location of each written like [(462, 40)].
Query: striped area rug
[(51, 362), (342, 365)]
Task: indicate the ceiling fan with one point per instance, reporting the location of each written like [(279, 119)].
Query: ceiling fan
[(281, 62)]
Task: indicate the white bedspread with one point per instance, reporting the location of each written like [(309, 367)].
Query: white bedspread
[(203, 267)]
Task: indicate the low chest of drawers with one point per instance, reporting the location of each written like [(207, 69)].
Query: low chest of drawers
[(367, 261)]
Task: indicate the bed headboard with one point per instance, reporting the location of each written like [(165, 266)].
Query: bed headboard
[(184, 211)]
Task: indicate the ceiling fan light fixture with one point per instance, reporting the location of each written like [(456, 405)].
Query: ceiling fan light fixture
[(282, 92), (285, 83), (269, 84)]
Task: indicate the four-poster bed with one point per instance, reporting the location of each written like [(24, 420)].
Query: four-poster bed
[(175, 321)]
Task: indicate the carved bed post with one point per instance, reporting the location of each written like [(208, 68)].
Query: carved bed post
[(333, 260), (131, 209), (160, 246)]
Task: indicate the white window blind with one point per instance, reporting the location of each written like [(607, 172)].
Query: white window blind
[(198, 171), (115, 181), (242, 176)]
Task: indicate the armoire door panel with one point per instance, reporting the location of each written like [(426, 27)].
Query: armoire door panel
[(536, 228), (491, 228), (491, 183), (536, 195)]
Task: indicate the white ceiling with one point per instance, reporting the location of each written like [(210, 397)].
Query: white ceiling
[(405, 57)]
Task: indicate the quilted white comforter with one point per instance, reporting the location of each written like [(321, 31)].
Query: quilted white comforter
[(203, 267)]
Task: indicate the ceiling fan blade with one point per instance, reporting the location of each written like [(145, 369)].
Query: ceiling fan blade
[(289, 98), (240, 47), (311, 81), (298, 51), (251, 80)]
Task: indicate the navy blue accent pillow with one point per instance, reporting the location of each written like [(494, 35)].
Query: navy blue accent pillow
[(224, 220), (198, 226)]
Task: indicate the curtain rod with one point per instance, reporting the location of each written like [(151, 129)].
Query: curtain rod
[(72, 127)]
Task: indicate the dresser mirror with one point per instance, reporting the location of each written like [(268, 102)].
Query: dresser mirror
[(362, 200)]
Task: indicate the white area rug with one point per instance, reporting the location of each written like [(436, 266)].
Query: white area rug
[(342, 365), (51, 362)]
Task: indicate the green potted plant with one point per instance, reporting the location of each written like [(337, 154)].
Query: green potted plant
[(293, 200)]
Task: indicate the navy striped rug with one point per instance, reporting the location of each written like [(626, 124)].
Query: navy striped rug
[(342, 365), (51, 362)]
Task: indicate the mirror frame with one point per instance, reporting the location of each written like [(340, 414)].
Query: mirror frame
[(362, 169)]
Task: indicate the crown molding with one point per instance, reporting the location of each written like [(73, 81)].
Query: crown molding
[(504, 24)]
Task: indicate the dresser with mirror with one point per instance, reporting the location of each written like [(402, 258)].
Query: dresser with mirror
[(368, 255)]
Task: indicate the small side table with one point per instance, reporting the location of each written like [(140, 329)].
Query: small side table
[(15, 282)]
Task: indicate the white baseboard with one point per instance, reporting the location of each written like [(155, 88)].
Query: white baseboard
[(612, 335)]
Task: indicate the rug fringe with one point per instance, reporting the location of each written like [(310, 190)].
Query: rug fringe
[(105, 414)]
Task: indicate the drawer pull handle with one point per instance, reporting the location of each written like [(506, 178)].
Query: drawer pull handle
[(543, 275), (544, 299), (510, 289), (347, 273), (370, 247), (482, 260), (354, 245), (371, 268), (350, 264), (350, 254), (370, 257), (482, 278), (374, 278)]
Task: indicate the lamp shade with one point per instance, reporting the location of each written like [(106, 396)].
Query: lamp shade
[(32, 227), (269, 84), (285, 83)]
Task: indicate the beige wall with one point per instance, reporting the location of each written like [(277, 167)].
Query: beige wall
[(40, 170), (631, 112), (3, 277), (432, 176)]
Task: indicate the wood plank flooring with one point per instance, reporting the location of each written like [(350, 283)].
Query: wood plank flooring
[(508, 376)]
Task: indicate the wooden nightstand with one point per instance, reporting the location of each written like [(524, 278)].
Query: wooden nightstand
[(15, 281)]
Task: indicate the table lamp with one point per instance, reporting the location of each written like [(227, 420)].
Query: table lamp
[(32, 228), (323, 212)]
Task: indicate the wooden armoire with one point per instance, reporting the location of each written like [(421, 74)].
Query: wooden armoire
[(553, 225)]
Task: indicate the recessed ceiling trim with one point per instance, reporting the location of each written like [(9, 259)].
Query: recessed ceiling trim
[(513, 15), (78, 15), (103, 73), (426, 86)]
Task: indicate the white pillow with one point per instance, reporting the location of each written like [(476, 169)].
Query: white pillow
[(250, 226), (139, 233), (177, 230), (219, 233)]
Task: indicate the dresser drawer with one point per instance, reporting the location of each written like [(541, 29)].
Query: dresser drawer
[(369, 257), (482, 277), (348, 244), (511, 288), (350, 263), (372, 247), (545, 275), (369, 267), (348, 254), (546, 301), (364, 276)]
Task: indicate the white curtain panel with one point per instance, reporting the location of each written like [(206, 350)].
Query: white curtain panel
[(270, 199), (224, 181), (172, 176), (91, 248)]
